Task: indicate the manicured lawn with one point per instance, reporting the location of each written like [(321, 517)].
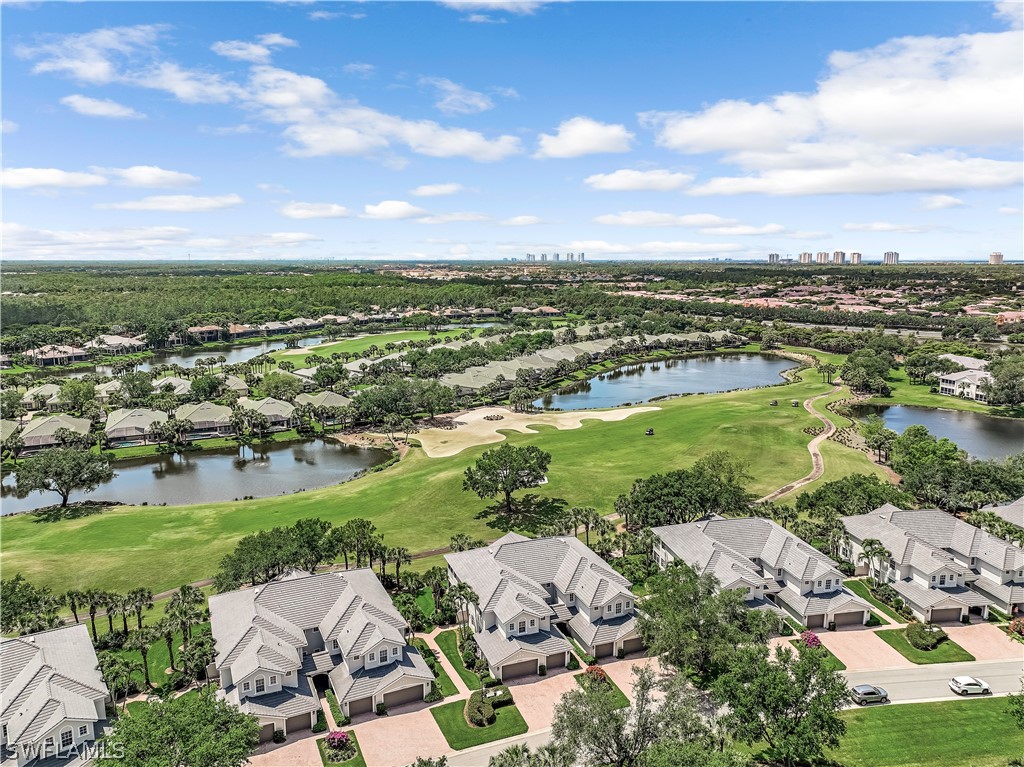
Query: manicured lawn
[(947, 652), (357, 345), (443, 681), (163, 547), (623, 701), (355, 761), (158, 658), (448, 642), (860, 588), (977, 732), (833, 662), (460, 734), (425, 601)]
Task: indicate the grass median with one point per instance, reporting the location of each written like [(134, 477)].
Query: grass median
[(460, 734), (449, 644), (946, 652)]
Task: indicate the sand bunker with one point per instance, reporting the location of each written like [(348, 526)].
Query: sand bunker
[(471, 429)]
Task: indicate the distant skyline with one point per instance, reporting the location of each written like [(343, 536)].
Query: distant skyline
[(489, 129)]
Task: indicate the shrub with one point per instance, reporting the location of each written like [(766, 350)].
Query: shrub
[(434, 695), (489, 681), (278, 736), (786, 630), (847, 568), (810, 639), (925, 636), (479, 712), (113, 640), (332, 701), (382, 710), (542, 670), (621, 653), (1017, 628), (339, 746), (596, 674), (497, 697), (574, 662), (321, 722)]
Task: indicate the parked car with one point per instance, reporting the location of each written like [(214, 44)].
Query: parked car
[(968, 685), (863, 694)]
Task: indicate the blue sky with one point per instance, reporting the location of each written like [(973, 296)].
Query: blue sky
[(492, 129)]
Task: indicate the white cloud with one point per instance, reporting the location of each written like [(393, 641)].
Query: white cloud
[(885, 226), (256, 53), (147, 176), (360, 69), (744, 230), (227, 130), (581, 136), (304, 210), (26, 242), (273, 188), (437, 190), (178, 203), (8, 126), (460, 250), (324, 15), (940, 202), (519, 7), (626, 180), (277, 40), (89, 57), (653, 218), (483, 18), (100, 107), (448, 218), (455, 99), (276, 239), (522, 221), (32, 178), (1011, 12), (187, 85), (652, 248), (1006, 210), (392, 210)]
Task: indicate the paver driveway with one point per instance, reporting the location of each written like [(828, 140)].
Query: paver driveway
[(395, 740), (536, 698), (986, 642), (297, 751)]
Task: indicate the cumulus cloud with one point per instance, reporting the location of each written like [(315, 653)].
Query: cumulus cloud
[(90, 57), (1011, 12), (91, 107), (147, 176), (582, 136), (744, 230), (392, 210), (27, 242), (305, 210), (520, 7), (257, 53), (885, 226), (522, 221), (626, 180), (940, 202), (653, 218), (652, 248), (360, 69), (449, 218), (52, 178), (455, 99), (178, 203), (437, 190)]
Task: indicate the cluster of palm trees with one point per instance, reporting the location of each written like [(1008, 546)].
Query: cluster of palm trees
[(591, 521), (134, 603)]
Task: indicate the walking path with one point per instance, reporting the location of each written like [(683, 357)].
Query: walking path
[(431, 640), (813, 447)]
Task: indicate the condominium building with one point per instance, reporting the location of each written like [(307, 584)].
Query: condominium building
[(995, 258), (773, 258), (855, 258), (891, 258), (806, 258), (823, 257), (839, 257)]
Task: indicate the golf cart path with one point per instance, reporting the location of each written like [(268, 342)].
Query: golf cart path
[(473, 428), (813, 447)]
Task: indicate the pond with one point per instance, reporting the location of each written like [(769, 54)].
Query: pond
[(982, 436), (644, 381), (218, 475)]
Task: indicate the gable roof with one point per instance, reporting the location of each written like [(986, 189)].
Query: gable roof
[(48, 426), (268, 406), (134, 418), (1012, 512)]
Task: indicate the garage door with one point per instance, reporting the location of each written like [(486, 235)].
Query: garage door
[(604, 650), (518, 669), (633, 645), (849, 619), (556, 660), (296, 723), (361, 706), (408, 695), (815, 621), (266, 733), (946, 615)]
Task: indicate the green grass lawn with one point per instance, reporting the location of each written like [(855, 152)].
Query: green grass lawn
[(972, 733), (461, 735), (620, 696), (355, 761), (947, 652), (832, 661), (448, 642), (163, 547), (860, 588), (443, 681), (358, 345), (158, 658)]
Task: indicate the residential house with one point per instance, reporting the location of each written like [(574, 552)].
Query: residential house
[(175, 385), (235, 384), (46, 395), (335, 319), (323, 399), (280, 414), (205, 333), (242, 331), (304, 323), (967, 363), (275, 328), (772, 567), (966, 384), (531, 591), (1012, 512), (132, 425), (105, 390), (41, 433), (944, 568), (57, 354), (115, 344), (54, 700), (7, 428), (208, 419), (277, 643), (6, 363)]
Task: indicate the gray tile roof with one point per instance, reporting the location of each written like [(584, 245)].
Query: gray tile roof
[(1012, 512), (923, 597), (290, 701), (496, 649), (603, 631), (133, 421), (323, 399), (268, 406), (204, 413), (410, 666), (42, 429), (816, 604)]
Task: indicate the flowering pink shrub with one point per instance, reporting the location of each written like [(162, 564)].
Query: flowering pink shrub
[(1017, 627), (810, 639), (337, 739), (596, 674), (339, 745)]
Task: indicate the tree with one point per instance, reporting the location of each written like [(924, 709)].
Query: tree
[(187, 731), (400, 556), (791, 701), (521, 399), (117, 672), (520, 756), (13, 445), (139, 600), (93, 599), (76, 393), (873, 552), (184, 609), (506, 469), (281, 386), (438, 761), (314, 543), (205, 387), (10, 402), (26, 608), (463, 596), (463, 542), (1006, 386), (693, 624), (1015, 706), (853, 494), (142, 640), (74, 599), (197, 655), (63, 470), (165, 629)]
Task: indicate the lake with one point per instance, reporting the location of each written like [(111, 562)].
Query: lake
[(982, 436), (644, 381), (218, 475)]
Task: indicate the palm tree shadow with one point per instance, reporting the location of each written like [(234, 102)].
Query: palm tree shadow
[(530, 513)]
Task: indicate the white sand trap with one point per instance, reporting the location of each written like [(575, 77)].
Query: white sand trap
[(471, 429)]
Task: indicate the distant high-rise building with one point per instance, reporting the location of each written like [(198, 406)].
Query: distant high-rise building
[(543, 256), (822, 257), (773, 258), (855, 258), (891, 258), (581, 257), (995, 258), (839, 257), (806, 258)]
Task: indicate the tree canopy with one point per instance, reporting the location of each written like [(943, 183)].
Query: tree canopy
[(506, 469), (63, 470)]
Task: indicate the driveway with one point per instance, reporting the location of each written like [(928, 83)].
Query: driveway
[(986, 642), (395, 740), (621, 671), (297, 751), (536, 698), (859, 649)]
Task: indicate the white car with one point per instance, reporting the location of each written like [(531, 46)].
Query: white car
[(968, 685)]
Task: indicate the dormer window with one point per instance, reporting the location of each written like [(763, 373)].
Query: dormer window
[(246, 687), (628, 604), (522, 626), (394, 652), (618, 608), (572, 598), (608, 609), (261, 685), (273, 680), (66, 738), (828, 583), (373, 656), (532, 622), (82, 731), (942, 580), (819, 584), (511, 627), (779, 572), (335, 645)]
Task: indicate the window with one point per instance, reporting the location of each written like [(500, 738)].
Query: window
[(83, 730), (973, 560), (66, 738), (618, 608), (522, 626), (819, 584), (942, 580), (779, 572), (316, 630), (533, 622), (273, 680), (334, 644), (608, 609), (5, 732), (511, 627), (373, 656), (48, 745), (572, 598), (828, 583), (394, 652), (246, 686), (933, 579), (627, 604), (261, 685), (288, 673)]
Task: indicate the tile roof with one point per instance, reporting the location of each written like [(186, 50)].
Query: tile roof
[(365, 682), (603, 630), (496, 648), (924, 597), (1012, 512)]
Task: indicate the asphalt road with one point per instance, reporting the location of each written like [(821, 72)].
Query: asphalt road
[(924, 683)]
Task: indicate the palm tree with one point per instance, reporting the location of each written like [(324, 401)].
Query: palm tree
[(585, 516), (785, 516), (94, 599), (166, 627), (117, 673), (400, 556), (139, 600), (142, 640), (464, 596), (74, 599), (184, 609), (873, 551), (513, 756), (123, 607), (110, 603)]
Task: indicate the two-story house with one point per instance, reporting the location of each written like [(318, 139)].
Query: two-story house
[(52, 696), (774, 568), (943, 567), (277, 641), (531, 590)]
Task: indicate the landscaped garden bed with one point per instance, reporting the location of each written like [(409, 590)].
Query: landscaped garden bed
[(461, 734), (945, 650), (861, 589), (810, 639), (340, 748), (596, 677), (449, 644), (444, 683)]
